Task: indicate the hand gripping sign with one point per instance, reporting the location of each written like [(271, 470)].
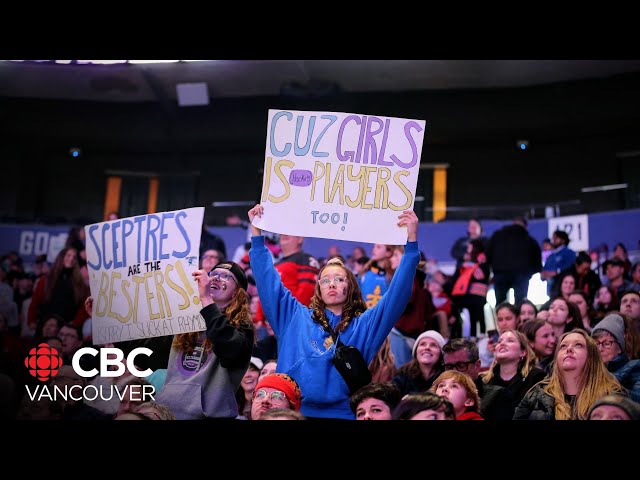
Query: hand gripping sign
[(340, 175), (140, 275)]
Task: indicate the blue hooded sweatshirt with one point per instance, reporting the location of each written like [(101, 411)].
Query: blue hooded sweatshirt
[(305, 349)]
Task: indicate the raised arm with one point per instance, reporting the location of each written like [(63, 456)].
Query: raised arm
[(256, 211), (381, 318), (278, 303), (231, 344)]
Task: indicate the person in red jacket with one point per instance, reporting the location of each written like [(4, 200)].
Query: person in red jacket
[(460, 390), (298, 271)]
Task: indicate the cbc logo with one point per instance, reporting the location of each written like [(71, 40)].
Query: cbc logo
[(43, 362)]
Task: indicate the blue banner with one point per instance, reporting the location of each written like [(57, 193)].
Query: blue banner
[(436, 239)]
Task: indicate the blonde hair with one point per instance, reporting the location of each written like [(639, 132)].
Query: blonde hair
[(595, 382), (529, 357)]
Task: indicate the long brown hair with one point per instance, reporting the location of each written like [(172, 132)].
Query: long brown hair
[(77, 283), (238, 314), (354, 305), (385, 266), (383, 366), (631, 337), (595, 382)]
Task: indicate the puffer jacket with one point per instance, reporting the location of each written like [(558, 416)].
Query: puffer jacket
[(628, 374), (536, 405)]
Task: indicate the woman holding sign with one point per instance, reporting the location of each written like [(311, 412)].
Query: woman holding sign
[(205, 368), (305, 347)]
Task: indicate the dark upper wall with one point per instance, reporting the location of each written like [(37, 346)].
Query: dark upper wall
[(571, 127)]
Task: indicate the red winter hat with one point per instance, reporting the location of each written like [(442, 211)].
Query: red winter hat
[(284, 383)]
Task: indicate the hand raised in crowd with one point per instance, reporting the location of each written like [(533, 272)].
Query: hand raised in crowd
[(88, 305), (204, 284), (409, 219), (256, 211)]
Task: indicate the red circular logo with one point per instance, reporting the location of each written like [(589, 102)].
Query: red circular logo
[(43, 362)]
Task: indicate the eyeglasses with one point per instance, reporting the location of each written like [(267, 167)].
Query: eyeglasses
[(605, 344), (459, 366), (275, 395), (211, 256), (337, 280), (224, 276)]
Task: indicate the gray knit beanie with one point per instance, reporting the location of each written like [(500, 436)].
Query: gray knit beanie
[(626, 404), (614, 324)]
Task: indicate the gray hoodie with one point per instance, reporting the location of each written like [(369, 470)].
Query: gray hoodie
[(202, 384)]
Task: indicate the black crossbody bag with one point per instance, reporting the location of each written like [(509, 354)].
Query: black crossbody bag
[(350, 364)]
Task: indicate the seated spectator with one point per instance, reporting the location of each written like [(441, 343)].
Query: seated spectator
[(609, 337), (460, 390), (155, 411), (74, 409), (506, 319), (630, 305), (614, 270), (620, 253), (277, 390), (564, 316), (132, 416), (461, 354), (526, 310), (582, 302), (375, 401), (416, 318), (282, 414), (268, 367), (359, 264), (54, 342), (50, 326), (614, 407), (424, 406), (587, 280), (542, 341), (419, 374), (135, 391), (209, 259), (513, 369), (71, 337), (578, 379), (244, 394)]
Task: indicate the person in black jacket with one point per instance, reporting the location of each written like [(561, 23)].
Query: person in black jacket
[(514, 256), (205, 368), (513, 369), (461, 354), (578, 379)]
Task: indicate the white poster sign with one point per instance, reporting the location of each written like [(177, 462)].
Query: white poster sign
[(340, 175), (140, 275)]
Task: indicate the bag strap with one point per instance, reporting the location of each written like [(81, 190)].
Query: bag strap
[(334, 336)]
